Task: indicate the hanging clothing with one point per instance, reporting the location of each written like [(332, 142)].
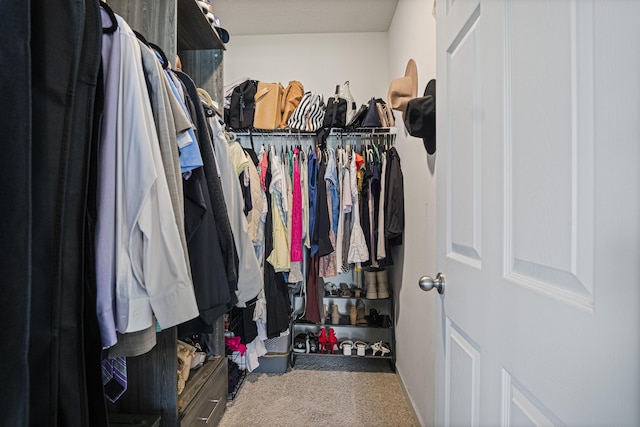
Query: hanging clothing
[(250, 280), (313, 200), (257, 200), (190, 156), (209, 278), (304, 184), (344, 218), (381, 249), (275, 287), (314, 304), (328, 263), (296, 223), (394, 203), (50, 110), (152, 273), (323, 224), (358, 251), (160, 96), (279, 256), (218, 203), (370, 195), (105, 250)]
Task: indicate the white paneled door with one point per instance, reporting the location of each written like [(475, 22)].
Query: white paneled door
[(538, 116)]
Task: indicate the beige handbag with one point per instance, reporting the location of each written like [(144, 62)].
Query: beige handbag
[(268, 100), (290, 101), (385, 114)]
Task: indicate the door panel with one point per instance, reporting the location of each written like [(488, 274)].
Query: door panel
[(520, 408), (549, 149), (465, 165), (464, 380), (538, 211)]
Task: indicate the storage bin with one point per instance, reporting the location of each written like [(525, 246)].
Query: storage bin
[(273, 363), (277, 345)]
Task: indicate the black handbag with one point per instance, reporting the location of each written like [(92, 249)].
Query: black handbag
[(241, 110), (335, 115), (371, 117), (358, 117)]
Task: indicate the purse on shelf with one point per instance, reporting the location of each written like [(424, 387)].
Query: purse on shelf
[(291, 98), (385, 113), (336, 114), (309, 115), (371, 117), (242, 105), (378, 114), (345, 93), (358, 117), (268, 108)]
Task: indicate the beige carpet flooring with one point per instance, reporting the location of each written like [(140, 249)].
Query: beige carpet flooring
[(312, 395)]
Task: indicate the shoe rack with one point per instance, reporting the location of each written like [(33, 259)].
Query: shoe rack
[(355, 316)]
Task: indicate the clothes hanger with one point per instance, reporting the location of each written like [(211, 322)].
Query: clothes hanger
[(251, 139), (114, 22), (163, 58)]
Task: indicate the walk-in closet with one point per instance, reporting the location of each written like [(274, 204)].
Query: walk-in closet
[(240, 213)]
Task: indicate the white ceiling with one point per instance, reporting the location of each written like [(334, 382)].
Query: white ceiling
[(256, 17)]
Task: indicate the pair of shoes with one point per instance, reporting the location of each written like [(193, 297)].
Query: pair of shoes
[(376, 284), (380, 347), (305, 342)]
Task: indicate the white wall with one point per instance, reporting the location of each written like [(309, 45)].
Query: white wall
[(413, 35), (369, 61), (319, 61)]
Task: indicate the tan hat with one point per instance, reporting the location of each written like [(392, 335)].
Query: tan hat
[(404, 89)]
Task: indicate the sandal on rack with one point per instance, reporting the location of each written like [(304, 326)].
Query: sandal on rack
[(346, 347), (356, 291), (345, 292), (361, 347), (380, 347), (330, 290)]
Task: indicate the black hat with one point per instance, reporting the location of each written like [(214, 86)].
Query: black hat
[(420, 117)]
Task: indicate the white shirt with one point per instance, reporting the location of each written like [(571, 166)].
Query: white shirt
[(152, 275)]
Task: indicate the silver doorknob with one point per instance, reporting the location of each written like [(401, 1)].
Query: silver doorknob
[(426, 283)]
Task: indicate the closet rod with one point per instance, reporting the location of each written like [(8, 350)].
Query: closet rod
[(334, 132)]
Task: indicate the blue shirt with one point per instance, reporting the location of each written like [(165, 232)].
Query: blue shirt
[(190, 157)]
